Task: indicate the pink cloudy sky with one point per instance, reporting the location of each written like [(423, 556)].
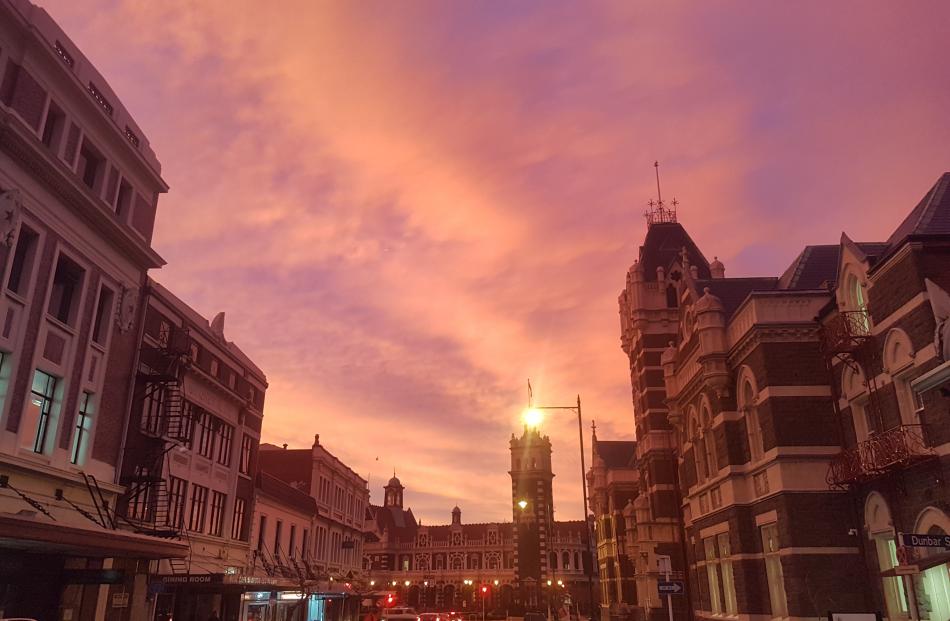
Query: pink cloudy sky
[(408, 208)]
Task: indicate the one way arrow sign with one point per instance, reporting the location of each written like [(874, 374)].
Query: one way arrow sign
[(670, 587)]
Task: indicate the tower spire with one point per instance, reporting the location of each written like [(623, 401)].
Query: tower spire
[(658, 211)]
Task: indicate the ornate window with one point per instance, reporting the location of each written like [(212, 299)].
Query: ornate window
[(899, 363), (749, 407), (709, 443), (877, 520), (854, 390)]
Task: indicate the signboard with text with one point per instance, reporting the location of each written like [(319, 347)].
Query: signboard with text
[(925, 541)]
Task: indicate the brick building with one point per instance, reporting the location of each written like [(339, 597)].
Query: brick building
[(614, 484), (530, 562), (190, 456), (79, 187), (806, 419)]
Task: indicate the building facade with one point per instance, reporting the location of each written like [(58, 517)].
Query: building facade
[(335, 544), (806, 417), (79, 187), (190, 457), (530, 563), (614, 483)]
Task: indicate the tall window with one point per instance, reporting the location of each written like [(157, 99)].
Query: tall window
[(225, 439), (216, 521), (292, 545), (773, 570), (141, 505), (728, 578), (100, 326), (753, 426), (205, 434), (894, 596), (199, 503), (304, 551), (278, 531), (53, 127), (247, 443), (712, 575), (67, 288), (39, 411), (152, 410), (177, 490), (91, 166), (83, 429), (23, 256), (709, 445), (262, 533), (237, 523)]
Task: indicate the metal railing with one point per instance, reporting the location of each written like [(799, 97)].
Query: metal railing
[(879, 454), (846, 331)]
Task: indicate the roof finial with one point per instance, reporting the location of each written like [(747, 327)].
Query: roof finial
[(658, 211)]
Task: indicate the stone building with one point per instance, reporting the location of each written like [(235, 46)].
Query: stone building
[(335, 548), (530, 562), (806, 420), (79, 187), (614, 483), (190, 456)]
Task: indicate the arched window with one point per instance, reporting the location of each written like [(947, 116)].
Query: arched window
[(856, 302), (552, 560), (877, 521), (899, 363), (709, 444), (695, 437), (749, 407), (855, 391), (577, 560), (457, 563), (565, 560)]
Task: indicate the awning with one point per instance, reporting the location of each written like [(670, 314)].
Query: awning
[(32, 534), (923, 564)]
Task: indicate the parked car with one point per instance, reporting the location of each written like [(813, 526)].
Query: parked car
[(400, 614)]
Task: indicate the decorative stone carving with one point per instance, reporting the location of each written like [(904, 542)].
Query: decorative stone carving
[(940, 303), (125, 313), (11, 207)]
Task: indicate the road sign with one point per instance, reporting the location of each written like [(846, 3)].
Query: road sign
[(670, 587), (925, 541)]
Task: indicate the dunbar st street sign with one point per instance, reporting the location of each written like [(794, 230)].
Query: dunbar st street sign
[(925, 541), (670, 587)]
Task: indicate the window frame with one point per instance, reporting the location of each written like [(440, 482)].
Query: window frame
[(216, 513), (775, 573), (85, 418), (199, 504), (47, 416)]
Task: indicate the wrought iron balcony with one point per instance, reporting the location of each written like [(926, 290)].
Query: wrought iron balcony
[(881, 453), (846, 332)]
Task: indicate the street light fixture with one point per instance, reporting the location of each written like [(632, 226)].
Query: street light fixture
[(523, 504), (532, 417)]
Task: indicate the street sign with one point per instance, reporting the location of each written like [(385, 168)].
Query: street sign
[(670, 587), (925, 541)]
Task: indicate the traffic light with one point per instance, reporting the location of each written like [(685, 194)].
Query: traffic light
[(484, 590)]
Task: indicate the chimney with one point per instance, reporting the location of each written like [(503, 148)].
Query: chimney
[(285, 446)]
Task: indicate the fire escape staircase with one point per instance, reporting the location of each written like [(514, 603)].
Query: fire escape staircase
[(147, 490), (847, 339)]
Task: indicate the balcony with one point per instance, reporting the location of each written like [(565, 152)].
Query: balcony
[(881, 453), (846, 332)]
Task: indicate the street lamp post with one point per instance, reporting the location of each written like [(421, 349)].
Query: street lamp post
[(532, 417)]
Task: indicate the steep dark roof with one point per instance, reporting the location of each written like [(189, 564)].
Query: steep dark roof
[(399, 523), (288, 465), (285, 493), (814, 266), (616, 453), (570, 526), (734, 291), (663, 244), (931, 216)]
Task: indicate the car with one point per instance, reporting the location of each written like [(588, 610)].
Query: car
[(433, 616), (400, 613)]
